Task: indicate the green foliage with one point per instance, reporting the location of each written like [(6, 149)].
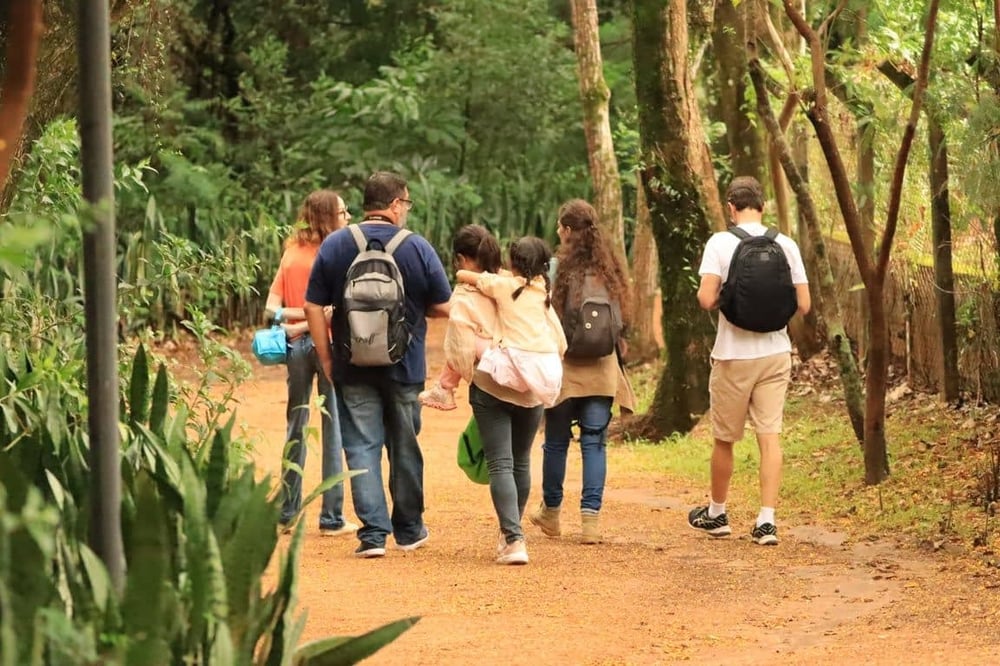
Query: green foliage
[(199, 533)]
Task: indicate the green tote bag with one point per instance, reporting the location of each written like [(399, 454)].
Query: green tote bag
[(471, 458)]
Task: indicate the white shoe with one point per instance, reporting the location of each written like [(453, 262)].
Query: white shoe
[(347, 528), (513, 553)]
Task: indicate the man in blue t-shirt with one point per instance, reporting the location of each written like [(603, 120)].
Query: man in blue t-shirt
[(378, 405)]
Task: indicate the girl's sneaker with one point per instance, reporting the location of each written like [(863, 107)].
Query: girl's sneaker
[(437, 397), (513, 553)]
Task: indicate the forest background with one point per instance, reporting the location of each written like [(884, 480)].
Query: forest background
[(227, 112)]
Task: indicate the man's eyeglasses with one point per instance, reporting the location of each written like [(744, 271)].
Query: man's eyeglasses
[(406, 202)]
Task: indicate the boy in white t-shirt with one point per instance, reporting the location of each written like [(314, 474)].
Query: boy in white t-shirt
[(750, 371)]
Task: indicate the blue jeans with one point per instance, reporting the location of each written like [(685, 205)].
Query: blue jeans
[(507, 432), (372, 415), (303, 366), (592, 414)]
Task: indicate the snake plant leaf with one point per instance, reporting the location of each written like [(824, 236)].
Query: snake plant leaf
[(138, 394), (340, 652), (143, 605), (160, 402)]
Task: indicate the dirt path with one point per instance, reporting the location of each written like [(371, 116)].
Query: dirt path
[(655, 593)]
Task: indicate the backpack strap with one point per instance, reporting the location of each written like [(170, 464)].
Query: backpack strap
[(397, 240), (771, 233), (739, 233), (359, 237)]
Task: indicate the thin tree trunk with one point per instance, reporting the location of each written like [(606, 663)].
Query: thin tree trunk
[(24, 23), (873, 275), (827, 304), (944, 275), (595, 96), (642, 339), (100, 287), (683, 201)]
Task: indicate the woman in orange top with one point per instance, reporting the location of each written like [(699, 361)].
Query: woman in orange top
[(322, 213)]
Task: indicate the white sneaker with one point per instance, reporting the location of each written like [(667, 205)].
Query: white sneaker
[(513, 553), (347, 528)]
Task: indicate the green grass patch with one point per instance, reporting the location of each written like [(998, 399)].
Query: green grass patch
[(939, 459)]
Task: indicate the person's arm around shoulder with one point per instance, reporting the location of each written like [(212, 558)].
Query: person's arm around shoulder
[(467, 277)]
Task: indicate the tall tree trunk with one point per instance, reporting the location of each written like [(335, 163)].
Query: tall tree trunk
[(100, 286), (827, 303), (873, 274), (24, 22), (683, 201), (642, 340), (729, 38), (595, 96), (944, 273)]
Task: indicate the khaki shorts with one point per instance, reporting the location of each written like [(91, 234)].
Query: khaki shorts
[(753, 386)]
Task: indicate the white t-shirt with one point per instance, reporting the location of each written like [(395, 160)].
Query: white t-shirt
[(732, 342)]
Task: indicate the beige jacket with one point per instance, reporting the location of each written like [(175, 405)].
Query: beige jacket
[(473, 315)]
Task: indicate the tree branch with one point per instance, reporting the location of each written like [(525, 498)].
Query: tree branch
[(820, 119), (24, 20), (896, 187)]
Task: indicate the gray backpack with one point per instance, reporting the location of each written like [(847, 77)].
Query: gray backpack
[(373, 328), (592, 330)]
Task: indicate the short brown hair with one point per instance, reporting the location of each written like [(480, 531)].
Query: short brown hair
[(746, 192), (381, 188)]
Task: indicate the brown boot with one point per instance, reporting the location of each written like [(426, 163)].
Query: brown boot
[(546, 518), (591, 532)]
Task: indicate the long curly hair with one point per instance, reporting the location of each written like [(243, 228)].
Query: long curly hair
[(319, 216), (587, 250)]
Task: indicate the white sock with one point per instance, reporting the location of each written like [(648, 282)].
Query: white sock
[(716, 510), (766, 515)]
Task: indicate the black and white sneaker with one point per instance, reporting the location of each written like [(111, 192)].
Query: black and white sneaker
[(765, 535), (716, 527), (368, 550)]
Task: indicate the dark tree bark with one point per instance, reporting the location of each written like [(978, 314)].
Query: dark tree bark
[(872, 274), (683, 201)]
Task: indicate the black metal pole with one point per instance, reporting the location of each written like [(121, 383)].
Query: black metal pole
[(100, 286)]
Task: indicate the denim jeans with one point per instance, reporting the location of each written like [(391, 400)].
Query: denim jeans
[(507, 432), (303, 366), (384, 413), (592, 414)]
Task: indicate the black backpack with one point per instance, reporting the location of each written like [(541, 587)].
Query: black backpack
[(592, 330), (758, 294)]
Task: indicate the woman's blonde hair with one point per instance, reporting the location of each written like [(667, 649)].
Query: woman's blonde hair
[(319, 216)]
